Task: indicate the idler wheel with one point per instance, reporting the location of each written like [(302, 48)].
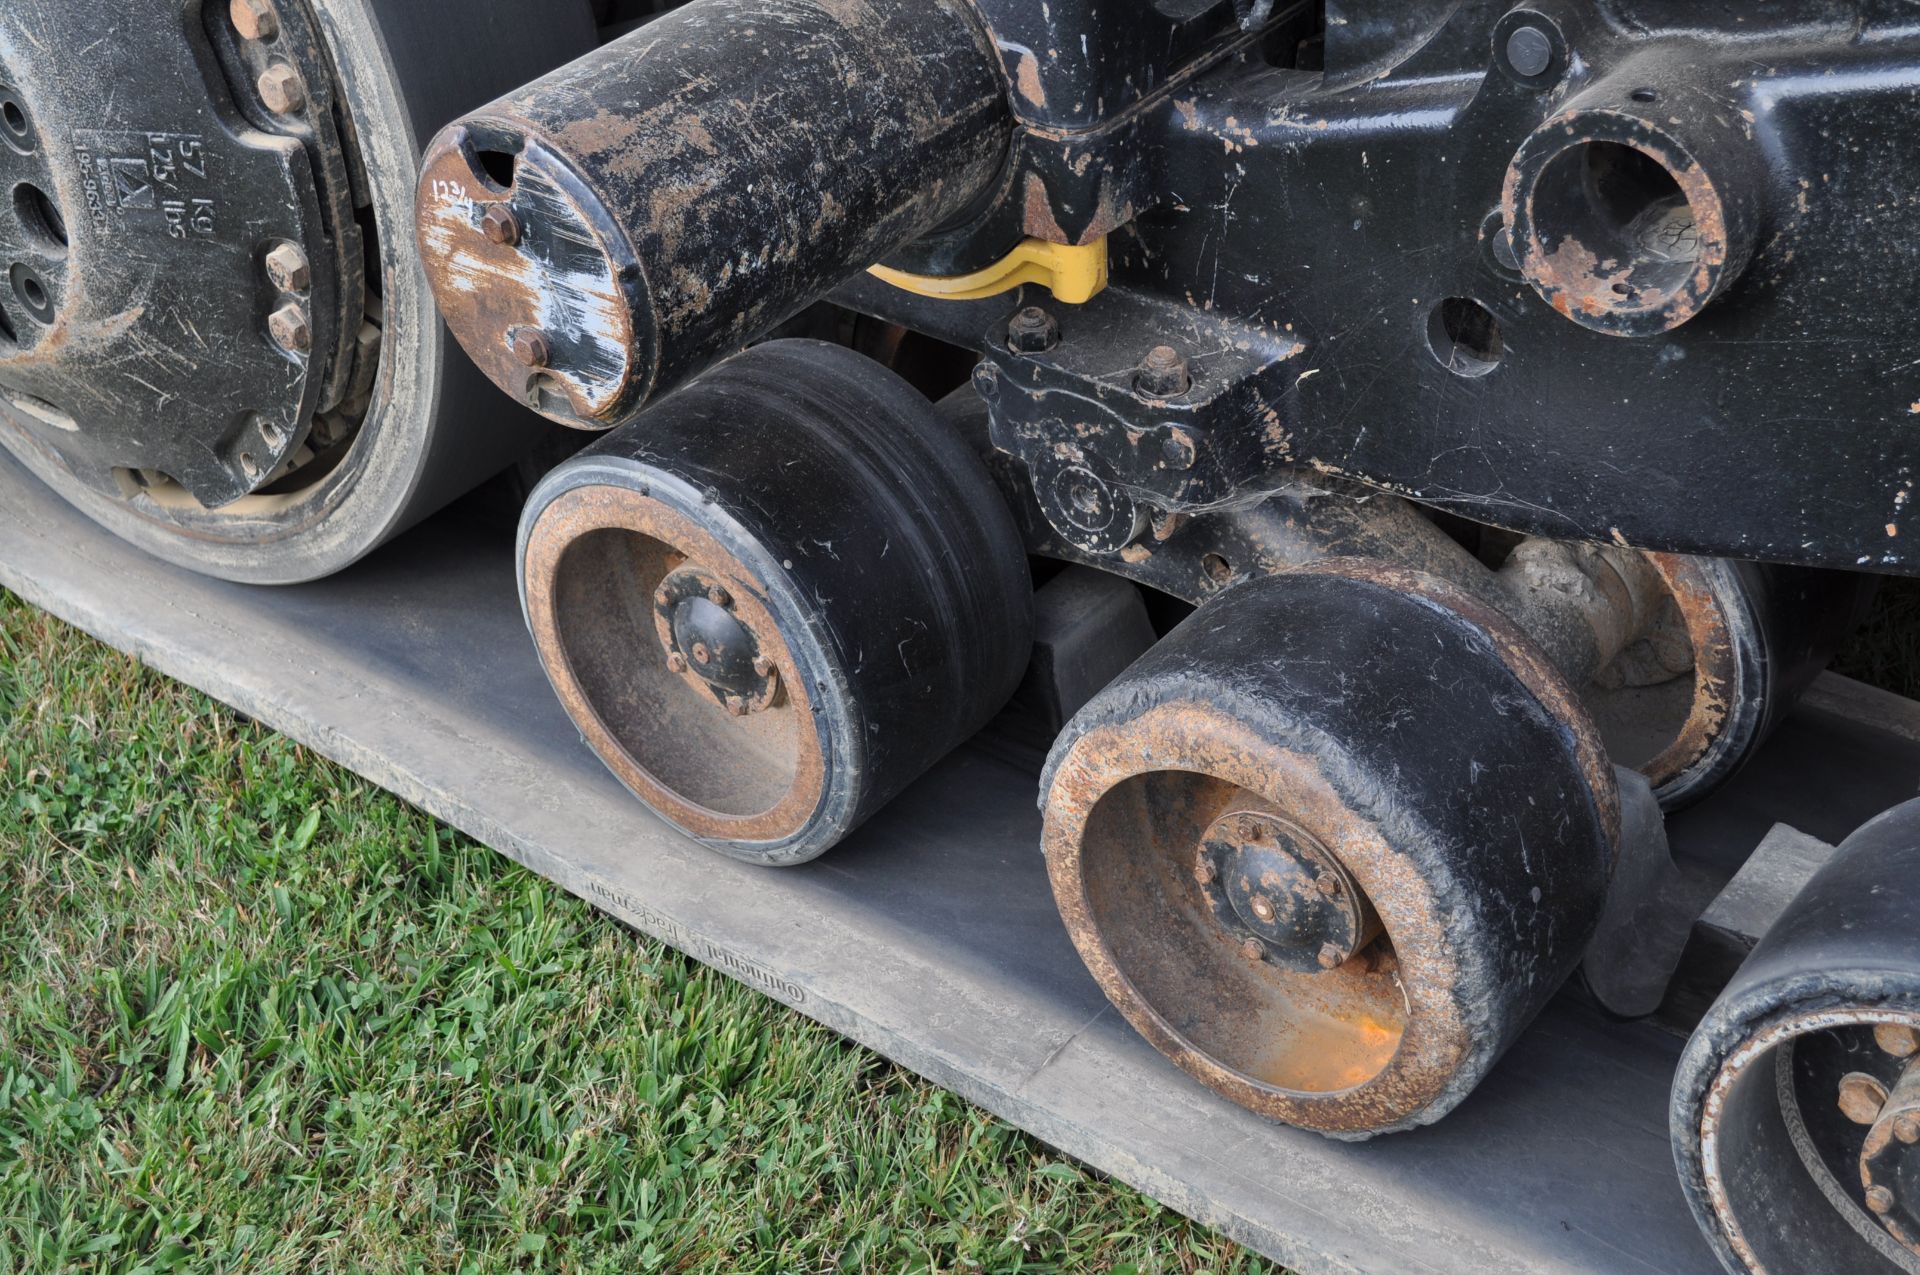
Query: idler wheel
[(1332, 843), (216, 337), (1796, 1106), (777, 597)]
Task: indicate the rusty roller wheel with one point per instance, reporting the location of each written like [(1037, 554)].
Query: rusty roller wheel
[(215, 334), (777, 597), (1796, 1106), (1332, 843), (1727, 654)]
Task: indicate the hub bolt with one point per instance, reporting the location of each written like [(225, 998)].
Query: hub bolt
[(1203, 872), (1879, 1199), (500, 226), (1178, 451), (1262, 907), (254, 19), (288, 269), (291, 329), (719, 596), (1331, 957), (736, 706), (1861, 1097), (530, 348), (762, 666), (1907, 1128), (1328, 884), (1032, 331), (1253, 949), (677, 662), (1163, 374), (282, 89), (1897, 1039)]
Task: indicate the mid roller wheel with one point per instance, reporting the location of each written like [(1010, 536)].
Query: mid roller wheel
[(216, 337), (777, 597), (1332, 843), (1796, 1106)]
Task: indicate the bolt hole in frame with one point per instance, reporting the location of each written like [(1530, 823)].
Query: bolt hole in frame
[(1465, 337)]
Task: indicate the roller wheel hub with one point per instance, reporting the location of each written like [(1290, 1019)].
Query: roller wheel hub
[(1267, 878), (706, 640)]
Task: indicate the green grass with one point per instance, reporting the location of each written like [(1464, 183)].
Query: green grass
[(256, 1015)]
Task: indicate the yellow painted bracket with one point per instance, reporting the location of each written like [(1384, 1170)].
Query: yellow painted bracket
[(1073, 272)]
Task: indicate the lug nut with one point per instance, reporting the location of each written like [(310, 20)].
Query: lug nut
[(762, 666), (500, 226), (736, 706), (1879, 1199), (1897, 1039), (288, 269), (719, 596), (530, 348), (677, 662), (282, 89), (1861, 1097), (1203, 872), (254, 19), (1328, 884), (1253, 949), (1262, 907), (1907, 1128), (291, 329), (1163, 374), (1032, 331), (1331, 956)]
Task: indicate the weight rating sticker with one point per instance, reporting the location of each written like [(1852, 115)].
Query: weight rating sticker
[(152, 183)]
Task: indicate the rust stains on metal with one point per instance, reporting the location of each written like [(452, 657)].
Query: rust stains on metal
[(1716, 668), (1366, 1045), (593, 562)]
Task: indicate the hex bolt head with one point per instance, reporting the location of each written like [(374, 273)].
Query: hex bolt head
[(500, 226), (736, 706), (282, 89), (1253, 949), (254, 19), (1328, 884), (719, 596), (1907, 1128), (1529, 52), (291, 329), (677, 662), (1262, 907), (1879, 1199), (1178, 451), (1861, 1097), (288, 269), (762, 666), (1032, 331), (1204, 872), (1163, 373), (1331, 957), (530, 348), (1897, 1039)]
